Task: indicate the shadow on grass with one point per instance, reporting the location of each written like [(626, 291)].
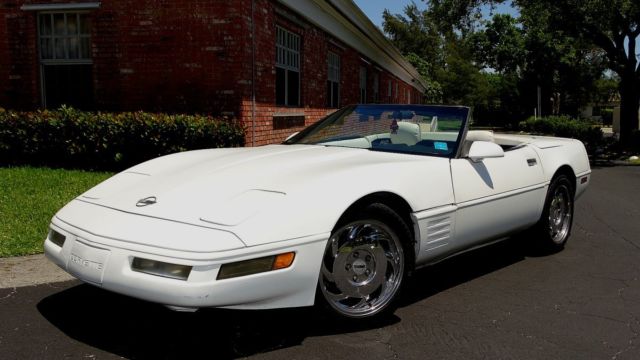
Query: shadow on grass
[(136, 329)]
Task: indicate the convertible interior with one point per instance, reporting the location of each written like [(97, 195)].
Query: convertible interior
[(410, 137)]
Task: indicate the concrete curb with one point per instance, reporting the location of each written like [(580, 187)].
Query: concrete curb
[(29, 270)]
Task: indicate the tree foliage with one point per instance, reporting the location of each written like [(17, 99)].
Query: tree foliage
[(613, 26), (441, 56), (501, 45), (433, 91), (563, 46), (417, 37), (413, 32)]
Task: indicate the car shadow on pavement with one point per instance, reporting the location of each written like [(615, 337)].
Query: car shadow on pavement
[(137, 329), (465, 267)]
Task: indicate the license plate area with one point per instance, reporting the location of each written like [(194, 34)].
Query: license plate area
[(87, 262)]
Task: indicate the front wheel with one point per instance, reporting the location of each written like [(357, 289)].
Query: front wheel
[(364, 264), (555, 223)]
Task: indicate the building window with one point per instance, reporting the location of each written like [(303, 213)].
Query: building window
[(287, 68), (64, 40), (408, 96), (363, 85), (376, 87), (333, 80), (64, 36), (389, 92)]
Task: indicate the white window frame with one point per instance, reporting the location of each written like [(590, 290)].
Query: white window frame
[(52, 37), (333, 76), (288, 45), (51, 11)]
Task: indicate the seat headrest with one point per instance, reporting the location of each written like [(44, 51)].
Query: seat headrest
[(479, 135)]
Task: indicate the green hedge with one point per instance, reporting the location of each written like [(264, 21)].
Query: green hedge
[(564, 126), (110, 141)]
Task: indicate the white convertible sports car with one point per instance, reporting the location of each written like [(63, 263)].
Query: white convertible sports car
[(339, 213)]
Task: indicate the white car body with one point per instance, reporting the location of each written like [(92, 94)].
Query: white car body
[(225, 205)]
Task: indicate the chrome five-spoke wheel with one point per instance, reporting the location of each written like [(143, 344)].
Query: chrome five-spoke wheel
[(560, 214), (554, 227), (362, 268)]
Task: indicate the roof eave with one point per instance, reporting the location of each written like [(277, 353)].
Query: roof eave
[(349, 9), (344, 20)]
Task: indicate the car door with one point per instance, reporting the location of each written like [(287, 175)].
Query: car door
[(496, 196)]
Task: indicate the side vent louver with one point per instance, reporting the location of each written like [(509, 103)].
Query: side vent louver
[(438, 230)]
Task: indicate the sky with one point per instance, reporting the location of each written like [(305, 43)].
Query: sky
[(374, 8)]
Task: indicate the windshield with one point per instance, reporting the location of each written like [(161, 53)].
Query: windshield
[(414, 129)]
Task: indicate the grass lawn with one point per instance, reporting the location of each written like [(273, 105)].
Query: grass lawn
[(29, 197)]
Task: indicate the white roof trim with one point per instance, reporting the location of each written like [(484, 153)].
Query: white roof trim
[(365, 60), (62, 6), (344, 20)]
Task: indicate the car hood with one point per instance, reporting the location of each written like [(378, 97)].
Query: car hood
[(226, 188)]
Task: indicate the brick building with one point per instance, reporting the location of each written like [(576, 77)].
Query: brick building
[(276, 65)]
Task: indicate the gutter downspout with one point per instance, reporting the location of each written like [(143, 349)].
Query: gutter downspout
[(253, 75)]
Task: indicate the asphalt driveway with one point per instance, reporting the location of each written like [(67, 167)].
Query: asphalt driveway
[(504, 301)]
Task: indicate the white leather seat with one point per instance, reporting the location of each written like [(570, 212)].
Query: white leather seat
[(430, 127), (408, 134)]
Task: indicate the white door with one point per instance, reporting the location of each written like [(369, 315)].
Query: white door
[(496, 196)]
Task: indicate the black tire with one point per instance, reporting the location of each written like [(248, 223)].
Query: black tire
[(365, 264), (554, 227)]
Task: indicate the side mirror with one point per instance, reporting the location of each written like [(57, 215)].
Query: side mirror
[(483, 150), (292, 135)]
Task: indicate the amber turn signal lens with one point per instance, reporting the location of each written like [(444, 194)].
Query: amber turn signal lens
[(283, 261), (255, 266)]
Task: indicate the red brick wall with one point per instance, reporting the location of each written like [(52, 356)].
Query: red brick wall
[(265, 134), (183, 56), (156, 55), (350, 63), (315, 45), (19, 75), (190, 56), (107, 86), (313, 76)]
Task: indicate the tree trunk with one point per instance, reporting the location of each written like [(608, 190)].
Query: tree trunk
[(629, 105)]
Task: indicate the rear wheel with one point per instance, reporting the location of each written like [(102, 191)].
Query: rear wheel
[(555, 223), (364, 264)]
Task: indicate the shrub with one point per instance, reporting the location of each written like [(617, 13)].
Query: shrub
[(110, 141), (564, 126)]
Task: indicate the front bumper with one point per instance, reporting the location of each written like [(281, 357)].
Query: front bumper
[(106, 262)]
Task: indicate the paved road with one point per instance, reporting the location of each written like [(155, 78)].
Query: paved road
[(504, 301)]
